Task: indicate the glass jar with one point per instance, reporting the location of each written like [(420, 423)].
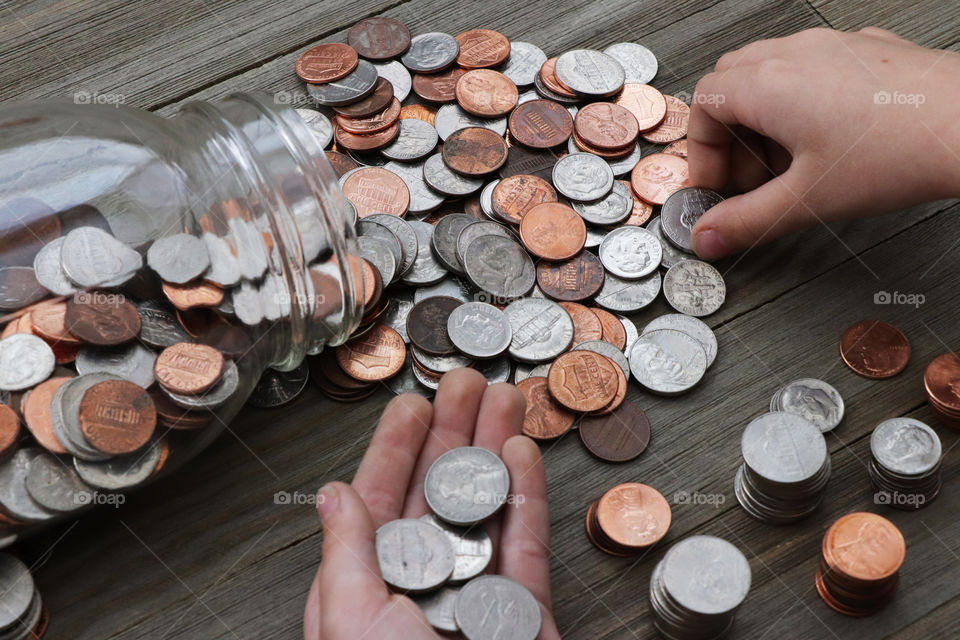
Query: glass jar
[(85, 192)]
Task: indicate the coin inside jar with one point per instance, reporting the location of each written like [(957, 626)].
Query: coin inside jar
[(102, 318), (117, 417), (187, 367), (553, 231), (373, 356), (474, 151)]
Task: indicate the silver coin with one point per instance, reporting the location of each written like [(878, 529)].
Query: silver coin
[(246, 304), (525, 371), (426, 269), (55, 485), (92, 257), (214, 397), (25, 362), (486, 199), (906, 446), (406, 382), (549, 94), (397, 75), (631, 330), (451, 286), (783, 447), (523, 65), (431, 383), (528, 96), (582, 176), (65, 415), (248, 241), (692, 327), (49, 272), (542, 329), (479, 228), (19, 288), (471, 546), (681, 211), (667, 362), (494, 370), (277, 388), (450, 118), (14, 497), (437, 175), (613, 208), (625, 165), (274, 298), (706, 575), (594, 238), (368, 227), (224, 263), (438, 607), (590, 72), (404, 233), (694, 288), (19, 590), (430, 52), (353, 87), (133, 362), (440, 364), (606, 349), (497, 608), (499, 266), (319, 125), (671, 255), (479, 330), (369, 159), (814, 400), (639, 64), (396, 316), (414, 555), (122, 472), (380, 254), (445, 236), (627, 296), (630, 252), (423, 199), (466, 485), (417, 139)]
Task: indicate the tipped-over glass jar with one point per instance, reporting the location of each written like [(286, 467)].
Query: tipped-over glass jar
[(150, 270)]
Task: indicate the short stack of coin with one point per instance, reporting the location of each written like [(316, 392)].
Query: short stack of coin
[(942, 392), (628, 519), (860, 562), (905, 463), (786, 466), (23, 615), (696, 589)]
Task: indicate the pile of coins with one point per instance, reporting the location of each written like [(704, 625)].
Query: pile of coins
[(23, 615), (943, 394), (696, 588), (905, 463), (628, 519), (860, 562), (438, 559)]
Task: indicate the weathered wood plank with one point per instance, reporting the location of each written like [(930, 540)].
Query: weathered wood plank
[(930, 22)]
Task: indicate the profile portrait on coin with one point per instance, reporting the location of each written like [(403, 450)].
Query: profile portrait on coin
[(909, 444)]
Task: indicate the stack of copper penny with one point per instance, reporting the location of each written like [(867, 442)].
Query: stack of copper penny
[(860, 561), (353, 370), (627, 519), (943, 393)]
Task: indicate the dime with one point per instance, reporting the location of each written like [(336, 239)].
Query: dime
[(117, 416), (439, 364), (875, 349), (25, 361), (417, 139), (225, 265), (92, 257), (681, 211), (671, 255), (906, 446), (625, 164), (618, 436), (623, 508), (466, 485), (479, 330), (19, 595), (17, 502), (544, 418), (497, 607), (525, 371), (540, 124), (630, 252), (54, 485), (376, 190), (674, 125), (438, 87), (583, 381), (440, 177), (414, 555), (575, 279), (646, 104), (628, 296), (542, 329), (494, 370), (422, 197), (499, 266), (426, 270), (451, 117), (213, 398), (405, 235), (658, 175), (691, 326), (132, 361), (178, 258), (121, 472), (812, 399), (355, 86), (695, 288), (667, 362), (379, 38), (474, 151), (427, 324), (439, 608), (608, 349), (49, 270), (472, 548), (606, 125), (326, 62), (514, 196), (486, 93), (380, 254), (582, 176), (553, 231), (430, 52), (638, 62), (524, 63), (397, 75), (380, 99), (452, 286), (482, 48), (590, 72), (586, 324), (373, 356)]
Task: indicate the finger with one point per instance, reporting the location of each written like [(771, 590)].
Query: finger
[(751, 53), (454, 421), (883, 34), (311, 616), (750, 166), (388, 465)]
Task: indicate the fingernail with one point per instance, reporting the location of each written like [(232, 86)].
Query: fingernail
[(710, 245), (327, 501)]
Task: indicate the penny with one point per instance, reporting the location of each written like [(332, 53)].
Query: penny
[(647, 105), (658, 175), (641, 212), (414, 555), (370, 141), (438, 175), (474, 151), (548, 76), (35, 408), (102, 319), (578, 278), (188, 368), (691, 326), (540, 124), (524, 63), (586, 324), (422, 197), (450, 118), (486, 93), (340, 163), (466, 485), (542, 329), (499, 266), (544, 418), (9, 429), (606, 125), (633, 516), (430, 52), (438, 87), (380, 99), (482, 48), (117, 416), (214, 397), (131, 361), (667, 362), (582, 176), (583, 381), (674, 125), (191, 296), (612, 329), (639, 64), (376, 190), (326, 62), (379, 38), (579, 144), (630, 252), (618, 436), (479, 330), (352, 87), (681, 211), (590, 73), (497, 607), (427, 324), (373, 356), (875, 349), (417, 139), (49, 322), (939, 381), (608, 349), (678, 148), (628, 296), (864, 546), (553, 231), (419, 112)]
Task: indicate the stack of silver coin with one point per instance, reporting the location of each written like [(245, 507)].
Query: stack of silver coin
[(438, 558), (812, 399), (696, 588), (22, 614), (785, 468), (905, 463)]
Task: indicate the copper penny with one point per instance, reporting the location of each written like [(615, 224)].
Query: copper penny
[(678, 148), (377, 101), (482, 48), (549, 78), (376, 190), (474, 151), (367, 142), (618, 436), (438, 87), (646, 104), (875, 349), (341, 163), (376, 355), (102, 318), (188, 368), (49, 321), (419, 112), (379, 38), (427, 324), (607, 154), (514, 196), (586, 324), (606, 125), (864, 546), (372, 284), (618, 399), (553, 231), (942, 382), (377, 122), (641, 210), (9, 429), (544, 419), (634, 515), (191, 296), (658, 175), (578, 278), (674, 125), (172, 416), (583, 381), (117, 417), (486, 93), (36, 413), (613, 331), (541, 124), (326, 62)]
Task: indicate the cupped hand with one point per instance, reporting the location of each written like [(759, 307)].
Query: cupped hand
[(819, 126), (348, 599)]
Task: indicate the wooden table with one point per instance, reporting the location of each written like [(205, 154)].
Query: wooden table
[(208, 554)]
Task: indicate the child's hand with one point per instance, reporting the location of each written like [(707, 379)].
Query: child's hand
[(819, 126)]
